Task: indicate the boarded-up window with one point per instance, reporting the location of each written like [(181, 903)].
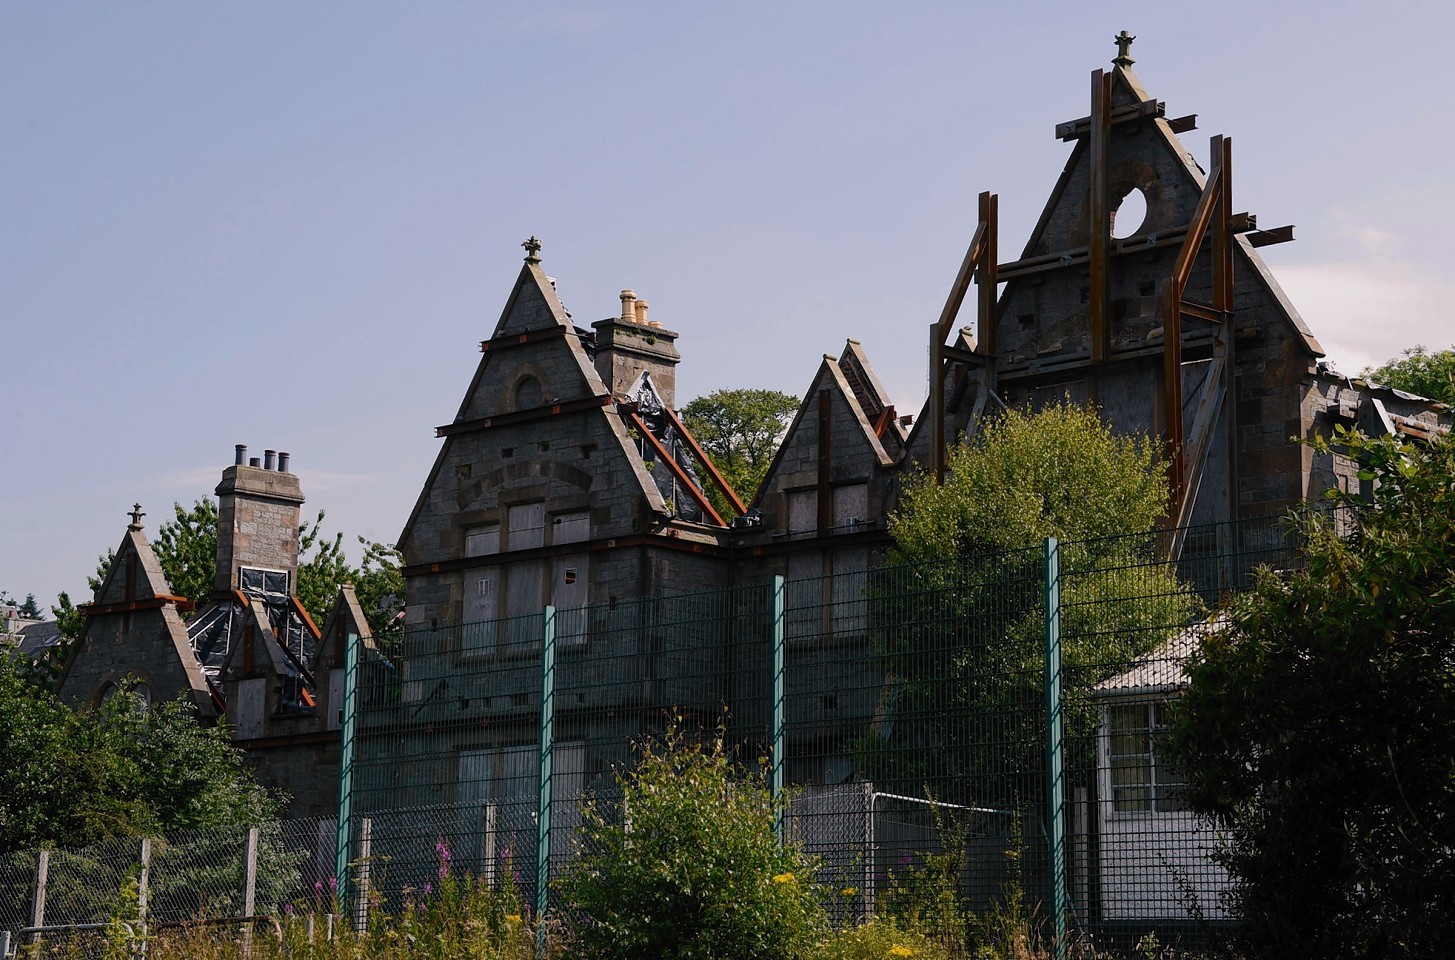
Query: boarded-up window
[(574, 527), (523, 605), (805, 592), (527, 523), (570, 586), (851, 507), (482, 607), (483, 540), (251, 710), (849, 610), (802, 511)]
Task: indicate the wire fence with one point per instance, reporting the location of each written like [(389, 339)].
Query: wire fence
[(998, 720)]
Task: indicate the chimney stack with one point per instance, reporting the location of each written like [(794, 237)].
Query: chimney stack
[(241, 451), (628, 344), (257, 519)]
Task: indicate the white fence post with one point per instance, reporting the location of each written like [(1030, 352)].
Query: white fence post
[(366, 850), (37, 899), (250, 890), (143, 883)]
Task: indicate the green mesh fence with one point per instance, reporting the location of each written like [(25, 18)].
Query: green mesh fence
[(914, 745), (914, 739)]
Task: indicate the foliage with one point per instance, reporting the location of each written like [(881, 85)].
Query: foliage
[(186, 548), (78, 777), (1419, 370), (692, 870), (29, 610), (879, 940), (1318, 728), (740, 430), (963, 621)]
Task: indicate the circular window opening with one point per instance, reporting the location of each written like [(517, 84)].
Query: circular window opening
[(1130, 215), (527, 393)]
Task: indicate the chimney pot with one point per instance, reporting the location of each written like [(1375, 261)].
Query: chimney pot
[(283, 457), (270, 457), (241, 453), (255, 462), (628, 308), (641, 307)]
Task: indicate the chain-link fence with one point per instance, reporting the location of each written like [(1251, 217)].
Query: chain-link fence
[(185, 878)]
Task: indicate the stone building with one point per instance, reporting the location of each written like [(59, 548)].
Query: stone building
[(251, 654)]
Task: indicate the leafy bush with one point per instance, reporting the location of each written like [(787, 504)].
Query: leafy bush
[(689, 867), (1319, 727), (879, 940)]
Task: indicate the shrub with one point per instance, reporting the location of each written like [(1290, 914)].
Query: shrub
[(691, 869)]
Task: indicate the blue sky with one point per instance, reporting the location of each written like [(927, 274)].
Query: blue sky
[(289, 224)]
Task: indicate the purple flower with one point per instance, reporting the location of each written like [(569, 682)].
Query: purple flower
[(333, 884), (427, 888), (288, 909), (318, 886), (442, 851)]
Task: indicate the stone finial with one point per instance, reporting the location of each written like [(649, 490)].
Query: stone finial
[(1123, 41), (532, 250), (136, 515)]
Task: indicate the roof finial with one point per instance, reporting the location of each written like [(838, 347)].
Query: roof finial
[(532, 250), (136, 516), (1123, 41)]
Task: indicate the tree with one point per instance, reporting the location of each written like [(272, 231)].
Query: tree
[(688, 867), (29, 610), (1418, 370), (77, 777), (186, 548), (740, 430), (963, 619), (1318, 728)]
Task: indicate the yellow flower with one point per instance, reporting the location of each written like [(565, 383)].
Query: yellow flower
[(900, 951), (849, 892), (783, 878), (513, 918)]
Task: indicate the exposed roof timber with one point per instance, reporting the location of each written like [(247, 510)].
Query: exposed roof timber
[(664, 456), (1242, 223), (705, 460), (1076, 129)]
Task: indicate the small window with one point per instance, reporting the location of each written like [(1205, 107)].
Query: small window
[(482, 541), (265, 583), (527, 523), (1144, 778)]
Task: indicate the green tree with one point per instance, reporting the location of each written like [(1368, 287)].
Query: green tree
[(29, 610), (1419, 370), (77, 777), (688, 867), (740, 430), (1318, 728), (962, 619), (186, 548)]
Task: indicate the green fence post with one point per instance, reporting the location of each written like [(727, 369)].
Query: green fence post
[(780, 605), (543, 814), (1055, 770), (343, 839)]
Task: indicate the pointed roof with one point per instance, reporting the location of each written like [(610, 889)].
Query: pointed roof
[(135, 586)]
